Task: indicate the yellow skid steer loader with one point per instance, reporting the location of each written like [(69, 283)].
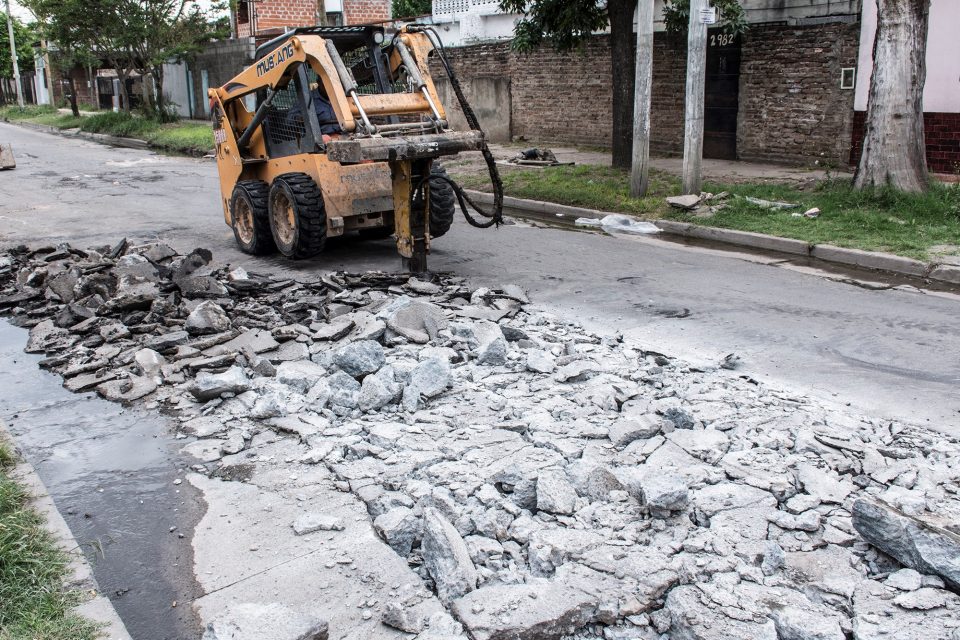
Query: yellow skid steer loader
[(332, 130)]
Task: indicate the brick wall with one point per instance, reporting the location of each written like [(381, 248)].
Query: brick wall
[(365, 11), (86, 91), (941, 133), (557, 98), (791, 106), (277, 14), (669, 93)]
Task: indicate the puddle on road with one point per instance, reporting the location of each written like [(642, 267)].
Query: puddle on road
[(110, 471)]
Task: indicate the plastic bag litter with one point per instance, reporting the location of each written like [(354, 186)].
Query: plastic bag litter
[(618, 223)]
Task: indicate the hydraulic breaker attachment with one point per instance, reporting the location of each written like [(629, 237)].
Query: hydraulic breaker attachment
[(411, 202)]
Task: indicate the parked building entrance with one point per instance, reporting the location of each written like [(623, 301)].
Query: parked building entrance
[(722, 99)]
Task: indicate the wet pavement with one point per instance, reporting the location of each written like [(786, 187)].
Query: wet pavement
[(111, 472)]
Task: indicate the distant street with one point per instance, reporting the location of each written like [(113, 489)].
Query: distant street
[(893, 353)]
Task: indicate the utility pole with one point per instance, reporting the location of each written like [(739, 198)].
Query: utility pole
[(640, 167), (693, 114), (13, 57)]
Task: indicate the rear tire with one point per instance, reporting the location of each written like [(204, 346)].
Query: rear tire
[(443, 202), (249, 217), (298, 221)]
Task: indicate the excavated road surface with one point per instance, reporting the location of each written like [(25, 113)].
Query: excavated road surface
[(889, 352)]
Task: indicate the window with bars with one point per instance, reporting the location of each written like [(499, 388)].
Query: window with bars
[(284, 124)]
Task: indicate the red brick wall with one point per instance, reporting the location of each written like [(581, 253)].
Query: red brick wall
[(791, 106), (942, 135), (365, 11), (559, 98), (277, 14)]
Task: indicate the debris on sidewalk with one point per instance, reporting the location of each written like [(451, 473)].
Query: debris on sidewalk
[(687, 203), (699, 205), (809, 213), (537, 158), (544, 481), (770, 204), (619, 223)]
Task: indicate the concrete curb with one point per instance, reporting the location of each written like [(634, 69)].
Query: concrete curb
[(548, 212), (96, 606)]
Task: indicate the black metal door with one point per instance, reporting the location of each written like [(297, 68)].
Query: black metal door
[(722, 97)]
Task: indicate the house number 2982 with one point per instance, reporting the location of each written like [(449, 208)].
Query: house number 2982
[(722, 39)]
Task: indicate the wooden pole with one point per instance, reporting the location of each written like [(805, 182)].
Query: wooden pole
[(13, 57), (640, 167), (693, 115)]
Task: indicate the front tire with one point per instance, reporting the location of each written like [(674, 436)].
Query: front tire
[(442, 202), (249, 217), (298, 221)]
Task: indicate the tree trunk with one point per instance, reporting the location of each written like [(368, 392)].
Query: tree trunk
[(124, 94), (621, 58), (157, 73), (894, 150), (74, 107)]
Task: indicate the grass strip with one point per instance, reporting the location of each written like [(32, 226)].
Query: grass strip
[(33, 601), (191, 138), (913, 225)]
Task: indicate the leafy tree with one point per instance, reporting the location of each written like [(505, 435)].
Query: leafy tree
[(71, 49), (676, 15), (132, 36), (894, 150), (411, 8), (25, 38), (567, 25), (162, 31)]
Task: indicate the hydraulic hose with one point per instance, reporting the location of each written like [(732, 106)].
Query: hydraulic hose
[(496, 216)]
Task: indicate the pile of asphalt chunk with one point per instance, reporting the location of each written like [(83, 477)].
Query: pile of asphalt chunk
[(544, 481)]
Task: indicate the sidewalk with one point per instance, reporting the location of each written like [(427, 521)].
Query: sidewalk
[(713, 170)]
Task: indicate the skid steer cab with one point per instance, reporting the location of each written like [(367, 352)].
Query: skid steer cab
[(333, 130)]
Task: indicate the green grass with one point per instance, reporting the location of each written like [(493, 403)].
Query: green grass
[(33, 602), (190, 138), (183, 137), (878, 220)]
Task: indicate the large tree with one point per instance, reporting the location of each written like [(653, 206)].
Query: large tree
[(25, 38), (567, 25), (72, 48), (132, 36), (894, 150), (162, 31)]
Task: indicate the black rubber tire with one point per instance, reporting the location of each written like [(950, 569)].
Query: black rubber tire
[(252, 194), (443, 203), (307, 235)]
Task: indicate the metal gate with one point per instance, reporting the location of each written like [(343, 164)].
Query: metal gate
[(722, 98)]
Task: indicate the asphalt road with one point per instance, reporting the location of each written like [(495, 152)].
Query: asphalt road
[(893, 352)]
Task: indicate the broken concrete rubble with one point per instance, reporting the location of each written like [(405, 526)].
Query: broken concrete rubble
[(253, 621), (505, 452)]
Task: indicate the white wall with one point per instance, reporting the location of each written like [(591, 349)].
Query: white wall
[(941, 93), (175, 87)]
